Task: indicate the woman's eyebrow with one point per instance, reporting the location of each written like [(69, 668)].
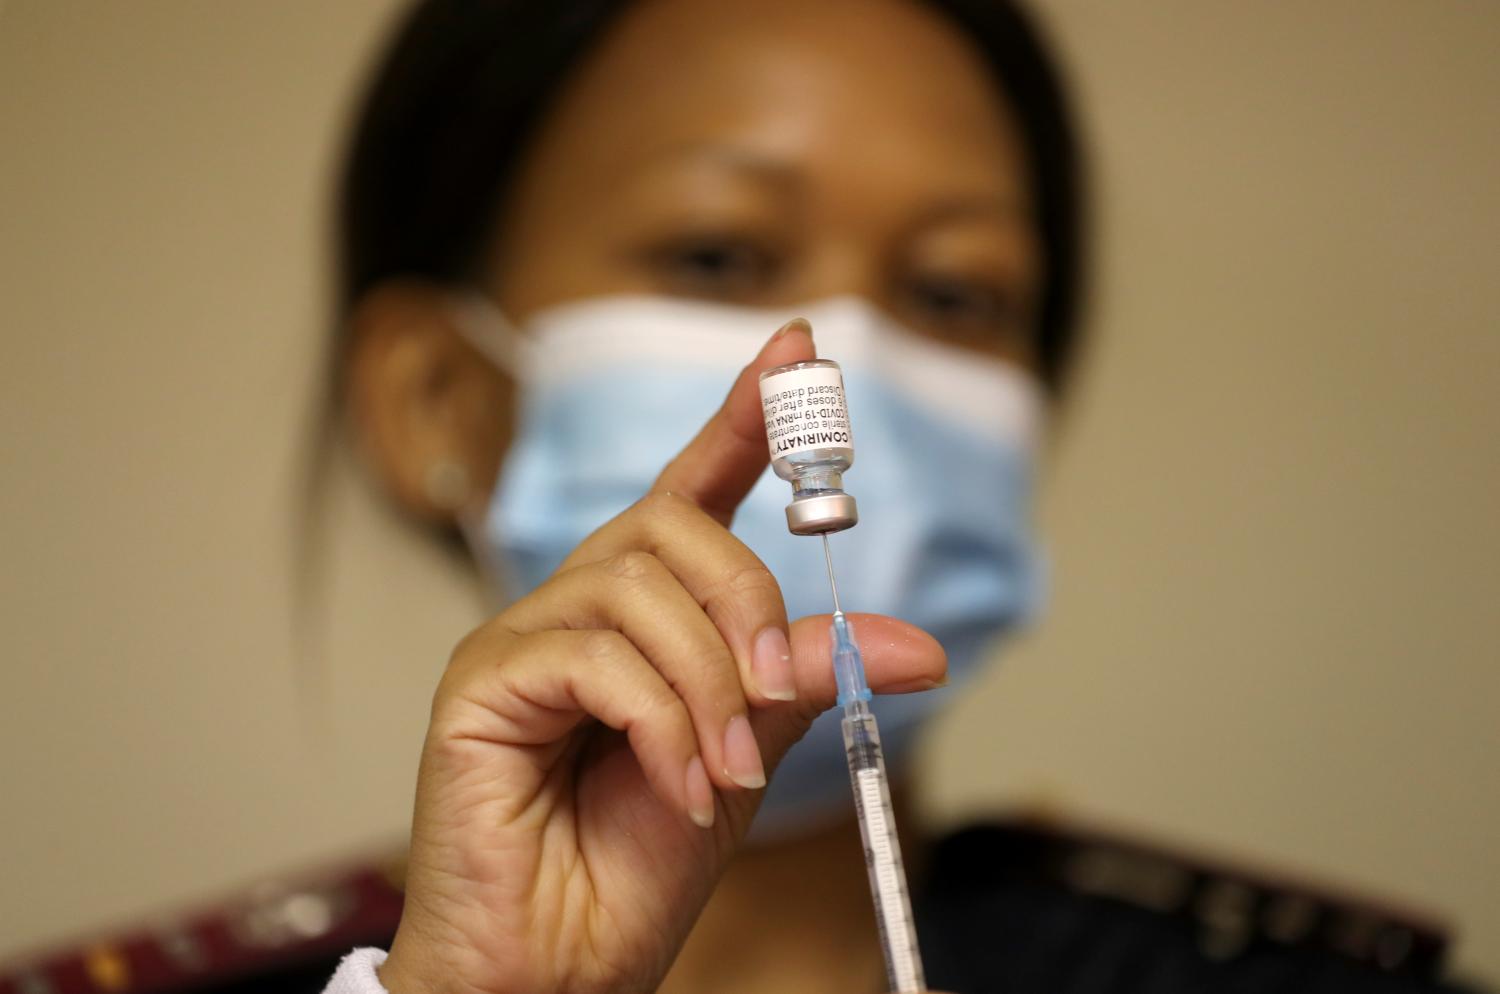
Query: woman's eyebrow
[(1006, 208), (758, 165)]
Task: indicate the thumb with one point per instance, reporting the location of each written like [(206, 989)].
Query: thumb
[(899, 658)]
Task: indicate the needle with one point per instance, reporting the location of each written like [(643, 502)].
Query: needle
[(833, 584)]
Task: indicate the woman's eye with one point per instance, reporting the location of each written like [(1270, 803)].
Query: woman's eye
[(962, 303), (973, 313), (717, 267)]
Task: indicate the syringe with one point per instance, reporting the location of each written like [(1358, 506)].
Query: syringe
[(872, 802), (807, 429)]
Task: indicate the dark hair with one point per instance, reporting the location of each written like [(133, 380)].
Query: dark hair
[(464, 82)]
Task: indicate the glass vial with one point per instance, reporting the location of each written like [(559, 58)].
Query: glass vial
[(807, 430)]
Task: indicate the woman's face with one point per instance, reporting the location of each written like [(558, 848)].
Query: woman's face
[(774, 151), (767, 152)]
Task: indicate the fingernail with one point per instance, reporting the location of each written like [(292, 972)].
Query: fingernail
[(700, 794), (742, 756), (771, 665), (794, 324)]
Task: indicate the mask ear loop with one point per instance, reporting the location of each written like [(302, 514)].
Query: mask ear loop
[(484, 326), (481, 323)]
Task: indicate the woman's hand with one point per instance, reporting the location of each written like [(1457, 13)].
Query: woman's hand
[(595, 751)]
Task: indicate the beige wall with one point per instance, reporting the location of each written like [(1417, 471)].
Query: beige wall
[(1272, 509)]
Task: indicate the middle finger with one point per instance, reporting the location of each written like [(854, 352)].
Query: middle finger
[(729, 581), (635, 593)]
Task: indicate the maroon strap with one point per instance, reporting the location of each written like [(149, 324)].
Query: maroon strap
[(274, 925)]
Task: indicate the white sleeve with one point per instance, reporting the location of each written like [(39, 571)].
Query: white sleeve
[(356, 973)]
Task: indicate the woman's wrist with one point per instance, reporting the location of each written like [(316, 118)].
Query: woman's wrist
[(399, 981), (394, 979), (403, 973)]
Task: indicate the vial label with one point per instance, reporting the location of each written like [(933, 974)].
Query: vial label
[(804, 409)]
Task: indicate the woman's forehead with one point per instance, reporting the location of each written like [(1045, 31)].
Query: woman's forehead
[(890, 83)]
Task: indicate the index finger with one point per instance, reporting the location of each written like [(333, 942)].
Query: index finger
[(722, 462)]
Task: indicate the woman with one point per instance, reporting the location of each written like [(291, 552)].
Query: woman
[(581, 170), (568, 229)]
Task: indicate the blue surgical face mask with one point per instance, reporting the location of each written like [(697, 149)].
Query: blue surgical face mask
[(612, 388)]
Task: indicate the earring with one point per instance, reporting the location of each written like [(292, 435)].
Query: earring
[(446, 484)]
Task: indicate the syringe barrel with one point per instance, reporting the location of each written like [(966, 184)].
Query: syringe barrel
[(877, 827)]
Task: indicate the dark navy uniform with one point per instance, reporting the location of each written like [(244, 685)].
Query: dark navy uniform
[(1018, 909)]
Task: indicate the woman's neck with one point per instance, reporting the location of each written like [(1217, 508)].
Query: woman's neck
[(793, 918)]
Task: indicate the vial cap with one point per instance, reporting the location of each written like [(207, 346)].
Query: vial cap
[(822, 514)]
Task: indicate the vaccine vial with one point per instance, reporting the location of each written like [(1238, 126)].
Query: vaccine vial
[(807, 429)]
